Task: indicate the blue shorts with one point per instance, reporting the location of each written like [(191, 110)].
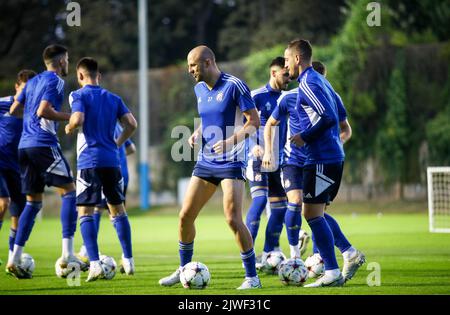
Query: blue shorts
[(215, 176), (292, 177), (321, 182), (271, 180), (91, 182), (104, 205), (42, 166), (10, 187)]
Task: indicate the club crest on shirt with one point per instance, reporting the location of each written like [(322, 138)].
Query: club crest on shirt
[(219, 97)]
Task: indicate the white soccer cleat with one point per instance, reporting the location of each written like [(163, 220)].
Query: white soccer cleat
[(95, 271), (262, 261), (303, 241), (352, 265), (169, 281), (327, 281), (127, 266), (250, 283)]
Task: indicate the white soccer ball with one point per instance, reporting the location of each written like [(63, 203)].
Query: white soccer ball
[(109, 266), (273, 261), (27, 262), (72, 266), (293, 272), (195, 275), (315, 266)]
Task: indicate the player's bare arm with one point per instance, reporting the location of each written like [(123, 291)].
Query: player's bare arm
[(76, 121), (129, 125), (195, 136), (346, 131), (47, 111), (249, 128), (267, 160)]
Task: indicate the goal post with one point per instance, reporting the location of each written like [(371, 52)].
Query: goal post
[(438, 180)]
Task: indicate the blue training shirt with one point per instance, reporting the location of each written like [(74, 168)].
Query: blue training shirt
[(96, 146), (220, 110), (319, 119), (123, 154), (10, 131), (38, 131), (265, 99), (286, 109)]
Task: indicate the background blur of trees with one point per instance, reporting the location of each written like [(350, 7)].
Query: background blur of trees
[(394, 79)]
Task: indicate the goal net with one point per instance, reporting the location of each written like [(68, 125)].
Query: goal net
[(439, 199)]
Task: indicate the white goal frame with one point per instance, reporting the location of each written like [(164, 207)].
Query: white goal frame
[(431, 202)]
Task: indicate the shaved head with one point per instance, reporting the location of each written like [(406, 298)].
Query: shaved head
[(202, 64), (202, 53)]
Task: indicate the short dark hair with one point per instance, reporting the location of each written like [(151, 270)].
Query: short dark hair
[(52, 51), (319, 67), (24, 75), (303, 47), (89, 64), (278, 61)]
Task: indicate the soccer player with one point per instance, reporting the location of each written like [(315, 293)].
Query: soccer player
[(322, 170), (11, 196), (223, 101), (353, 258), (265, 183), (95, 111), (126, 149), (40, 158)]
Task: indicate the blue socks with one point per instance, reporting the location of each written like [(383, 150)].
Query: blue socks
[(26, 221), (293, 221), (89, 234), (12, 238), (186, 251), (259, 202), (275, 225), (1, 224), (97, 216), (123, 229), (69, 214), (249, 260), (340, 241), (324, 241)]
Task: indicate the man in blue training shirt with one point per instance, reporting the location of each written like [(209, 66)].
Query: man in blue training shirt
[(40, 158), (126, 149), (11, 196), (322, 170), (223, 103), (264, 182), (353, 258), (96, 112)]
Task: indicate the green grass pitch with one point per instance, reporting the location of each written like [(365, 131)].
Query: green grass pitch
[(412, 260)]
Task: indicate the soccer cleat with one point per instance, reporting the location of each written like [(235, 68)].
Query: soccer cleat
[(1, 262), (303, 242), (84, 266), (250, 283), (352, 265), (18, 272), (174, 278), (327, 281), (260, 265), (127, 266), (95, 271)]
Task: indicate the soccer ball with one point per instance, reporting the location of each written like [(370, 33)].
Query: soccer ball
[(27, 262), (109, 266), (195, 275), (293, 272), (73, 266), (315, 266), (273, 261)]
